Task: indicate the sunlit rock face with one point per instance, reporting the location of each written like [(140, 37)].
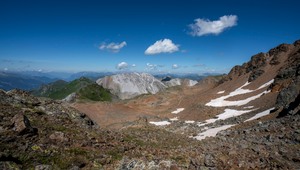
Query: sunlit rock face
[(130, 85)]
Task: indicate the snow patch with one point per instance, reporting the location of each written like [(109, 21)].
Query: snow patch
[(174, 119), (248, 107), (221, 102), (178, 110), (266, 84), (228, 113), (221, 92), (161, 123), (261, 114), (211, 132), (189, 121)]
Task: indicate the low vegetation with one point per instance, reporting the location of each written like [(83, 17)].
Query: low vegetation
[(84, 88)]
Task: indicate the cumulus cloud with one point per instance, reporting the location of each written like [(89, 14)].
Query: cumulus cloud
[(133, 65), (204, 26), (162, 46), (151, 66), (122, 66), (175, 66), (112, 47)]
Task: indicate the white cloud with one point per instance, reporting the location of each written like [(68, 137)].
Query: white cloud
[(5, 69), (122, 66), (151, 66), (162, 46), (204, 26), (175, 66), (133, 65), (112, 47)]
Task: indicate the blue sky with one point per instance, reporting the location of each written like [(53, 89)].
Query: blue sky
[(152, 35)]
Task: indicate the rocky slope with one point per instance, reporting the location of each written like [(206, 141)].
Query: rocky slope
[(130, 85), (259, 109), (283, 64), (45, 134)]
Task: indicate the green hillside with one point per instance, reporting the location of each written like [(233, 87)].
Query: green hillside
[(84, 88)]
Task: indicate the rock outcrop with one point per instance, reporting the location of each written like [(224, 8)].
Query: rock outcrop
[(287, 82), (178, 82), (130, 85), (173, 82), (259, 63)]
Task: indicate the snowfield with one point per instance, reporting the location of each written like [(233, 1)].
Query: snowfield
[(178, 111), (259, 115), (211, 132), (221, 92), (174, 119), (248, 107), (189, 121), (228, 113), (221, 102), (161, 123)]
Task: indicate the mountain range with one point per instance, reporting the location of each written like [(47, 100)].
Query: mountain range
[(31, 80), (246, 119)]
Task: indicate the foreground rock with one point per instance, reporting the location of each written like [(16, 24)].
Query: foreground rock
[(130, 85)]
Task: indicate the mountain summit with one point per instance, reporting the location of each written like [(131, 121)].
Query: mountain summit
[(129, 85)]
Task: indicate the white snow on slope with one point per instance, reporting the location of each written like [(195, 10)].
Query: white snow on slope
[(211, 132), (221, 102), (174, 119), (228, 113), (161, 123), (221, 92), (261, 114), (266, 84), (248, 107), (189, 121), (178, 110)]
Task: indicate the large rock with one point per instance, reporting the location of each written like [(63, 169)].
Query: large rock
[(22, 124), (130, 85)]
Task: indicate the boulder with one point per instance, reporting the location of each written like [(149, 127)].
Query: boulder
[(21, 124), (43, 167), (59, 137)]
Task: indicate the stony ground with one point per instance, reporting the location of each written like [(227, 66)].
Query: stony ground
[(45, 134)]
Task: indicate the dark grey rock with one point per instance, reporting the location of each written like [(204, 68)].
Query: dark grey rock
[(43, 167)]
